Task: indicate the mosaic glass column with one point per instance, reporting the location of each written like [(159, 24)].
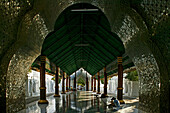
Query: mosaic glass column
[(98, 92), (92, 83), (42, 81), (67, 83), (56, 83), (63, 88), (75, 82), (120, 81), (105, 82)]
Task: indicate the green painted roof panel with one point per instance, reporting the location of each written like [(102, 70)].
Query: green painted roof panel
[(82, 39)]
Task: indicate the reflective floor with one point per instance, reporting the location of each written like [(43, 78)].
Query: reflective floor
[(81, 102)]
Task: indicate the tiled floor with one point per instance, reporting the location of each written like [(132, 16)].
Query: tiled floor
[(81, 102)]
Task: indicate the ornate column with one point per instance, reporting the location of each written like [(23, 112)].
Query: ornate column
[(56, 83), (42, 81), (67, 83), (98, 83), (120, 81), (87, 82), (75, 82), (92, 83), (63, 88), (105, 82)]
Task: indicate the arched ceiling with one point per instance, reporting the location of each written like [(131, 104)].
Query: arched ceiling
[(82, 39)]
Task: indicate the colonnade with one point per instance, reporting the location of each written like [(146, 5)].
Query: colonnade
[(65, 76), (120, 82)]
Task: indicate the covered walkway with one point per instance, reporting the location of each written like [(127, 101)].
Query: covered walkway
[(83, 102), (105, 38)]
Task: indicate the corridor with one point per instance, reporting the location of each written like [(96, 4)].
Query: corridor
[(83, 102), (58, 47)]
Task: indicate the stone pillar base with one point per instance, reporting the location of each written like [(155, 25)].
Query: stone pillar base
[(56, 95), (42, 102), (94, 91), (104, 95), (122, 101), (98, 93), (63, 92)]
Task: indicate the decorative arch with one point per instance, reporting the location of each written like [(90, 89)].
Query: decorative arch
[(137, 46), (82, 38)]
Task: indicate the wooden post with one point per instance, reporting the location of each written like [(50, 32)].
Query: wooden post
[(105, 82), (120, 81), (75, 82), (42, 81), (56, 83), (63, 88), (87, 82), (98, 83), (67, 83), (92, 83)]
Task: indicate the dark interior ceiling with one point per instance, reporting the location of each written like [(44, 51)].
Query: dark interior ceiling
[(82, 38)]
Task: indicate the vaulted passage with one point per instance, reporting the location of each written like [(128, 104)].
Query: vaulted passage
[(84, 56), (82, 37)]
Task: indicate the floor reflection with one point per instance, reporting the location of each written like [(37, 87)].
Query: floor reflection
[(74, 102)]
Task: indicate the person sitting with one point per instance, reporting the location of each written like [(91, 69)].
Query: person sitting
[(115, 102)]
